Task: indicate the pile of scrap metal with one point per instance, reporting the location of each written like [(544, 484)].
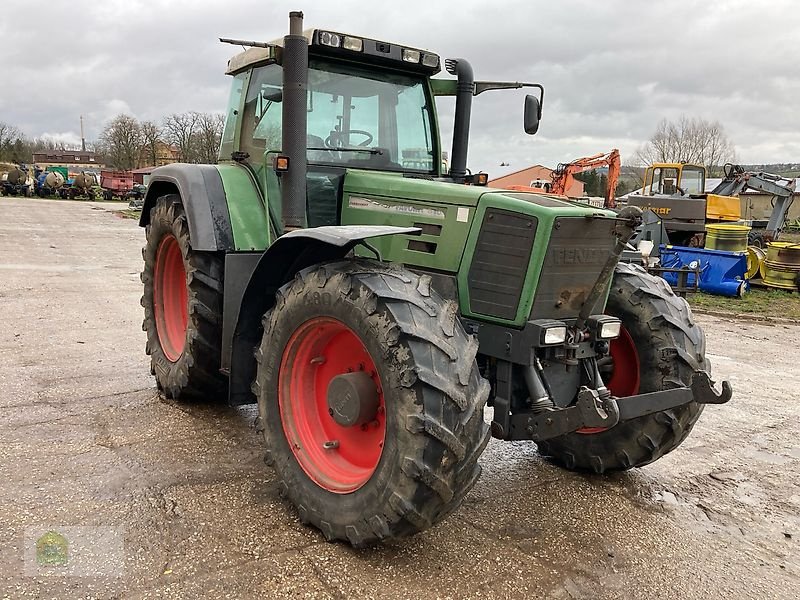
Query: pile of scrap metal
[(687, 269), (714, 250)]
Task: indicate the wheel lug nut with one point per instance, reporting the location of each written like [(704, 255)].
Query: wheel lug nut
[(331, 445), (317, 360)]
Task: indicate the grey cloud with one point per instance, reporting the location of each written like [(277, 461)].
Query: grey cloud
[(612, 70)]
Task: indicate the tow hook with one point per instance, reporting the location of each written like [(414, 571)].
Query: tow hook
[(703, 391), (597, 410)]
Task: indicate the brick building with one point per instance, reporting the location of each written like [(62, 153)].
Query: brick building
[(74, 159), (529, 175)]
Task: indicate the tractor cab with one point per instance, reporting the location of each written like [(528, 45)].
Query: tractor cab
[(369, 106)]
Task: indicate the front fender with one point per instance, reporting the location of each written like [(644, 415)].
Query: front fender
[(246, 304)]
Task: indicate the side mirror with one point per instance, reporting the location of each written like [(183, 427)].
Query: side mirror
[(272, 94), (533, 114)]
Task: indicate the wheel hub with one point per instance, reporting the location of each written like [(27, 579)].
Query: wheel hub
[(170, 298), (352, 399), (331, 405)]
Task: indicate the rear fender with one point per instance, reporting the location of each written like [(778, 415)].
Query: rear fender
[(247, 304)]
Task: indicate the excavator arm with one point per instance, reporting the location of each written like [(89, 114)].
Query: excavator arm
[(564, 175)]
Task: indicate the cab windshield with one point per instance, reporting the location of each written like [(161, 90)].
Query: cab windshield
[(356, 118)]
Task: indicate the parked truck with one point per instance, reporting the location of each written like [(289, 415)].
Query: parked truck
[(373, 307)]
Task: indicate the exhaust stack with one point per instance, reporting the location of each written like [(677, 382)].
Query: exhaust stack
[(293, 135), (465, 89)]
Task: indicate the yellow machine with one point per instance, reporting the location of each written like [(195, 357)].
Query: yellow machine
[(675, 192), (686, 179)]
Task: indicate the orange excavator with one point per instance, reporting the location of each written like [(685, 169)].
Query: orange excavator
[(564, 176)]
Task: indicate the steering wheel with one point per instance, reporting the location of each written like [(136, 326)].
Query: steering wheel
[(332, 140)]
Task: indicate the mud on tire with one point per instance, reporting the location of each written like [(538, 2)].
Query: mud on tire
[(195, 373), (670, 348), (434, 399)]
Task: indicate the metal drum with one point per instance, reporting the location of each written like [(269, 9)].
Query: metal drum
[(782, 266), (731, 238)]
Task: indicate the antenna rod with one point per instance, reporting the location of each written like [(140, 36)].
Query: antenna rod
[(246, 43)]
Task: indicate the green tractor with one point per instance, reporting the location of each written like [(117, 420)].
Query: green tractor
[(374, 305)]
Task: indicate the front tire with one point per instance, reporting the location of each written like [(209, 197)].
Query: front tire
[(182, 307), (416, 458), (660, 348)]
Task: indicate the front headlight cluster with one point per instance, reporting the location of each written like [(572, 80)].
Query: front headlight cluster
[(604, 327)]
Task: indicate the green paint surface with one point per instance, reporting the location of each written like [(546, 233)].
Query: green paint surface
[(443, 210), (246, 208)]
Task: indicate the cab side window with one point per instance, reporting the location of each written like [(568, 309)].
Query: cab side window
[(261, 119)]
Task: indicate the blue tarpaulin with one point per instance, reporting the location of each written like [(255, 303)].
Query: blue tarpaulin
[(721, 272)]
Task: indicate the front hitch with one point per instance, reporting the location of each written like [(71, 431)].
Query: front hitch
[(591, 410)]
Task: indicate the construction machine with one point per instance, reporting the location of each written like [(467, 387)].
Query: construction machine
[(372, 304), (676, 193), (781, 189), (563, 178)]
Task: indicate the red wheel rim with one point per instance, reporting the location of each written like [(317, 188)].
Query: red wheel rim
[(624, 380), (170, 298), (318, 351)]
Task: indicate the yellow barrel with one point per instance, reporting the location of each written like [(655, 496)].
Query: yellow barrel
[(755, 261), (782, 266), (722, 236)]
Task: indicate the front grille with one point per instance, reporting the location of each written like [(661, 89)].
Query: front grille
[(500, 263), (579, 247)]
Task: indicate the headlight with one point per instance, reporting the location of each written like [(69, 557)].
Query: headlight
[(430, 60), (329, 39), (411, 56), (604, 327), (353, 43), (609, 331), (554, 335), (548, 332)]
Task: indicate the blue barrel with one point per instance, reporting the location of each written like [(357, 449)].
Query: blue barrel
[(721, 272)]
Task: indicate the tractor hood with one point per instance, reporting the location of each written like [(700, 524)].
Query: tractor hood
[(400, 187), (397, 185), (448, 215)]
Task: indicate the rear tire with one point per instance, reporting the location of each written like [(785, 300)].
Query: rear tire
[(667, 348), (182, 307), (430, 412)]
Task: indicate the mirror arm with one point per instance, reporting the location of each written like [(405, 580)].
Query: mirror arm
[(486, 86)]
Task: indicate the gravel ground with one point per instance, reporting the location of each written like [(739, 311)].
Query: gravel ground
[(173, 500)]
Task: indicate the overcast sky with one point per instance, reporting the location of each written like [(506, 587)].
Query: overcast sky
[(611, 69)]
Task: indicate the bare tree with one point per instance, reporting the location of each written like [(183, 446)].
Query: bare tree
[(122, 141), (10, 137), (691, 140), (179, 129), (151, 140), (207, 137)]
